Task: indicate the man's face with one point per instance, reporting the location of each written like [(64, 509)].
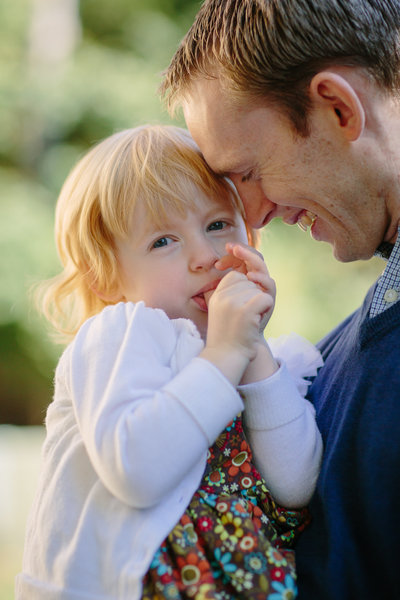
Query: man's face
[(281, 174)]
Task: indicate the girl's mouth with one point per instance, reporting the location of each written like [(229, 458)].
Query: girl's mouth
[(201, 302), (202, 297)]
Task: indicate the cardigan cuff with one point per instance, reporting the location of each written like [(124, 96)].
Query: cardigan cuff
[(272, 402), (213, 402)]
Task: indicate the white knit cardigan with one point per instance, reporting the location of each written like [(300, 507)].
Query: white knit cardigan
[(133, 415)]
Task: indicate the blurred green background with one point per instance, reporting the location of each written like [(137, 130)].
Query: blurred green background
[(72, 73)]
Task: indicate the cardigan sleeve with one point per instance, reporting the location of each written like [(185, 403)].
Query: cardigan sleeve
[(144, 426), (280, 424)]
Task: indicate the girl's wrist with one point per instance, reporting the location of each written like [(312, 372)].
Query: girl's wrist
[(231, 364), (262, 366)]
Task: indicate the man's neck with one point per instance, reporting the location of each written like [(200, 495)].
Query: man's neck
[(384, 250)]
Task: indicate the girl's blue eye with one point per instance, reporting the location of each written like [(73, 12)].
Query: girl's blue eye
[(164, 241), (216, 226)]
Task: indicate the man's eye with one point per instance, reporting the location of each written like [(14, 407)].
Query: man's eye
[(217, 225), (247, 177), (160, 243)]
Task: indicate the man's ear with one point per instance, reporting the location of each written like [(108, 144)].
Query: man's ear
[(334, 93)]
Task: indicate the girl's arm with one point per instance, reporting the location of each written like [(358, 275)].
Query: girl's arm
[(144, 426), (281, 429)]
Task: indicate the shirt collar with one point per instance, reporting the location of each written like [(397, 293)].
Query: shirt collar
[(385, 249)]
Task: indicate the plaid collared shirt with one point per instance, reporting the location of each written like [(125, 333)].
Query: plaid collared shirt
[(387, 291)]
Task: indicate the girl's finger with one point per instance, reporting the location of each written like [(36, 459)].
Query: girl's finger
[(228, 261), (253, 259), (243, 259), (262, 280)]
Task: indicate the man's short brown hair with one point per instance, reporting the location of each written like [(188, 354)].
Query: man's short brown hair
[(272, 48)]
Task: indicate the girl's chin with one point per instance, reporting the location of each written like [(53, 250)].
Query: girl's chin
[(201, 322), (202, 331)]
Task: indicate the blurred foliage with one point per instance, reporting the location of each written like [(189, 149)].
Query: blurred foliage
[(72, 73)]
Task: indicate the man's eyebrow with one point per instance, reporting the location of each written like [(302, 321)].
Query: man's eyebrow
[(220, 169), (223, 170), (225, 163)]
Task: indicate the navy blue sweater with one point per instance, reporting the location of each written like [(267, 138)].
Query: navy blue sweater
[(352, 548)]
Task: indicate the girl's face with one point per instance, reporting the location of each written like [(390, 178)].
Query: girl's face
[(173, 267)]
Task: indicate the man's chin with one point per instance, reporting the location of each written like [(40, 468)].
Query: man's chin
[(346, 254)]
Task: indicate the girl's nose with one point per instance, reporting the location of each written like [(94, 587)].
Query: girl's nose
[(203, 255)]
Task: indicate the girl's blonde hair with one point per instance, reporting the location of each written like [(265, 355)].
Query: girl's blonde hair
[(154, 165)]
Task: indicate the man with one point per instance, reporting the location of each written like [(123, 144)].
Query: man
[(298, 102)]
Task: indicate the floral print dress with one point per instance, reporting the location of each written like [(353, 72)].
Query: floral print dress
[(232, 541)]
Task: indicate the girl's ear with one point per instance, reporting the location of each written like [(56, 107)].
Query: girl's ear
[(338, 97), (110, 297)]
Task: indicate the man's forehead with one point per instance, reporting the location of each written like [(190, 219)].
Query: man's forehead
[(213, 124), (207, 99)]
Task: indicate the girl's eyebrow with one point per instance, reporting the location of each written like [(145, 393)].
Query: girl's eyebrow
[(152, 231)]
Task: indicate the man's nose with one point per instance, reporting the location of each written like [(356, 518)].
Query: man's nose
[(256, 204)]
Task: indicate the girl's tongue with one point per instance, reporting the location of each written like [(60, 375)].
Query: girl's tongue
[(202, 300)]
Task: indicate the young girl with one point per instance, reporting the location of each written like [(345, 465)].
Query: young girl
[(152, 486)]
